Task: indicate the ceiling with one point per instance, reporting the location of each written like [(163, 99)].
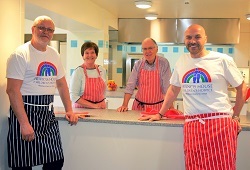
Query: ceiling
[(178, 8), (164, 9)]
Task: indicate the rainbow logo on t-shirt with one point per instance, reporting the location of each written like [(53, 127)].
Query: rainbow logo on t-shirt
[(46, 69), (197, 75)]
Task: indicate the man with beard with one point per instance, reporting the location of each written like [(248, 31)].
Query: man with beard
[(211, 124), (34, 70)]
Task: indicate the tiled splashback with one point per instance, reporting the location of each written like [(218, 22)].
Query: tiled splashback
[(171, 52)]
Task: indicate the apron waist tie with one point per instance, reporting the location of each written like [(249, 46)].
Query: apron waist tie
[(208, 116), (40, 105), (144, 103), (95, 102)]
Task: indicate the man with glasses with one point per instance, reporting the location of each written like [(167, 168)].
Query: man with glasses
[(33, 72), (151, 76)]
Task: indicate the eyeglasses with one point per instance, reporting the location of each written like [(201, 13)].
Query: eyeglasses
[(149, 48), (43, 29)]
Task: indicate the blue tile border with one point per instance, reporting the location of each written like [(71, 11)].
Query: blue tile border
[(100, 43), (119, 47), (107, 44), (71, 71), (185, 50), (73, 43), (133, 49), (164, 49), (118, 70), (220, 50), (175, 49), (230, 50)]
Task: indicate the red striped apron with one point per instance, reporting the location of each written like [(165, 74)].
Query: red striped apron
[(149, 93), (94, 88), (210, 144)]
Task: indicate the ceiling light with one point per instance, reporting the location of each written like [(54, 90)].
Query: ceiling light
[(151, 16), (248, 16), (144, 4), (186, 2)]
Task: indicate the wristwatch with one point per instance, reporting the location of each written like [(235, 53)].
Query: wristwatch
[(236, 118)]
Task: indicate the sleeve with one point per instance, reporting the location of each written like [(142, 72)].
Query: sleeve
[(77, 84), (174, 80), (16, 66), (232, 73), (133, 78), (165, 75)]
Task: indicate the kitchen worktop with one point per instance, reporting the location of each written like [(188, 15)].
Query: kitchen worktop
[(131, 118), (118, 140)]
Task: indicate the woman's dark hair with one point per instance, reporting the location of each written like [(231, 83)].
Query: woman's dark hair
[(87, 45)]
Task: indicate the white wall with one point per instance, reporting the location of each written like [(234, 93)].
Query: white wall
[(11, 33), (74, 58)]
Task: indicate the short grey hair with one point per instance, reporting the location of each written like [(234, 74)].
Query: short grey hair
[(42, 18)]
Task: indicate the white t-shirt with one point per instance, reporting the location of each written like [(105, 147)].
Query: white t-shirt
[(38, 70), (78, 79), (204, 82)]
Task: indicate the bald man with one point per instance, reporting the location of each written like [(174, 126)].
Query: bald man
[(211, 124)]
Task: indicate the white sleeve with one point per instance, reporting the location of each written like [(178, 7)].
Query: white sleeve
[(77, 84), (174, 80), (232, 73), (16, 66)]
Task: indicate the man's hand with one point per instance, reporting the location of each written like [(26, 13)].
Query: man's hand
[(239, 128), (122, 109), (71, 117), (27, 132), (150, 118)]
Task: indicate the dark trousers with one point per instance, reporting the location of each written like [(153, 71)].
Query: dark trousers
[(57, 165)]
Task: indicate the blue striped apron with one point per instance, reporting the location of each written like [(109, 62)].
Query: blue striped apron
[(47, 146)]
